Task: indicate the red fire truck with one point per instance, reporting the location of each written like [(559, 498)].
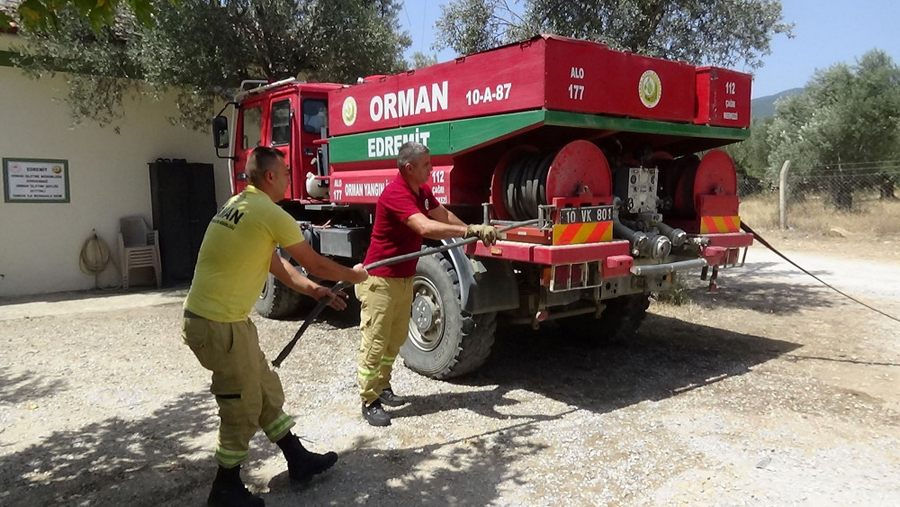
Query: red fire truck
[(612, 153)]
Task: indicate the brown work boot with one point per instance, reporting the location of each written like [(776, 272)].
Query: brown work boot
[(229, 491), (303, 464)]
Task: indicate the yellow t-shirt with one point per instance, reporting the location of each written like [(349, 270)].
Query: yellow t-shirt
[(234, 257)]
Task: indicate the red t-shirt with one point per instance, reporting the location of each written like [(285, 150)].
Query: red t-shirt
[(390, 234)]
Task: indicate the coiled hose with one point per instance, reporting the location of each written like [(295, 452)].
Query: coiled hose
[(94, 256)]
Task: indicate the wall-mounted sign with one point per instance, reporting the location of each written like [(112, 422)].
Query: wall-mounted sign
[(35, 180)]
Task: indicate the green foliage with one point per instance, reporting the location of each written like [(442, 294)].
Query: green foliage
[(48, 14), (421, 60), (848, 115), (203, 50), (752, 155), (347, 39), (721, 32), (470, 26), (679, 294), (98, 64), (786, 134)]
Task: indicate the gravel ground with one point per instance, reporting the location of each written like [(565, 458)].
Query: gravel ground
[(773, 392)]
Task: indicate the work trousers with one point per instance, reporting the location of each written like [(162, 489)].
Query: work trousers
[(386, 304), (248, 392)]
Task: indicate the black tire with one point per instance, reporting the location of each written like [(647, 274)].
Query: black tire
[(452, 344), (622, 317), (619, 321), (277, 301)]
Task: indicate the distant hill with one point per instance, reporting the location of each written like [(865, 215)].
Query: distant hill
[(764, 107)]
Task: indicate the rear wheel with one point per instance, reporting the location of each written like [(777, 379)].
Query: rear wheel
[(623, 316), (619, 321), (442, 341)]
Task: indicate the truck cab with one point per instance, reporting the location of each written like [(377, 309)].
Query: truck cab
[(288, 116)]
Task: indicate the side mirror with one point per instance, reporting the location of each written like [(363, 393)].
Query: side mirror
[(220, 131)]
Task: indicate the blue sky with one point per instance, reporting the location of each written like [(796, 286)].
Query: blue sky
[(826, 32)]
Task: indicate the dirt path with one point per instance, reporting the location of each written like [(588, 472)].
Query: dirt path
[(774, 391)]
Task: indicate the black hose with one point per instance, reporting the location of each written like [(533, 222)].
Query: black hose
[(823, 282), (320, 306), (525, 185)]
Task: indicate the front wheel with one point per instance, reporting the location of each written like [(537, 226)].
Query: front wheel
[(277, 300), (443, 342)]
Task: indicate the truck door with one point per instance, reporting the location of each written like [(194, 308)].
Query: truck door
[(314, 110), (281, 132), (249, 135)]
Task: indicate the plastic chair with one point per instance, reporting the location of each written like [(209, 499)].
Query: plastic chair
[(138, 248)]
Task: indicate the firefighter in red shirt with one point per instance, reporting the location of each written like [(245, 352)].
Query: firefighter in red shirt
[(406, 212)]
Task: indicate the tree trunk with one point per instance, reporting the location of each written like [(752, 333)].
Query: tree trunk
[(841, 189), (886, 189), (841, 194)]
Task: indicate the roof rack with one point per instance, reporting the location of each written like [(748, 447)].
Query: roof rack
[(265, 85)]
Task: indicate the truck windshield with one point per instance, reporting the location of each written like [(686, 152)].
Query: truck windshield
[(314, 115)]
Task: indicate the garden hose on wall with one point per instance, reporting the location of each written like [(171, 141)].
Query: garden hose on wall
[(94, 256)]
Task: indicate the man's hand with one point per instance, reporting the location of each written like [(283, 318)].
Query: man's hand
[(486, 233), (338, 300), (361, 274)]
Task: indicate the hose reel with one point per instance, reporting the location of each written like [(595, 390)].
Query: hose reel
[(526, 178), (714, 174)]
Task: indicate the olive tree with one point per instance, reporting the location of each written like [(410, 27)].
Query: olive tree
[(45, 14), (203, 50), (721, 32), (842, 127)]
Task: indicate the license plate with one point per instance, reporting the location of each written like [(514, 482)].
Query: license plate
[(585, 214)]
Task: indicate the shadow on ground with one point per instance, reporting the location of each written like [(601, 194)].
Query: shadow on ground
[(764, 297), (20, 388), (666, 357), (152, 461), (114, 462), (457, 472), (751, 290)]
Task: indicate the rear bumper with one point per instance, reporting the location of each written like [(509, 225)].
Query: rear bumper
[(549, 254), (727, 240)]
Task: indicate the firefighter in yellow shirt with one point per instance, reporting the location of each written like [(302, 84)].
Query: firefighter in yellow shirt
[(237, 253)]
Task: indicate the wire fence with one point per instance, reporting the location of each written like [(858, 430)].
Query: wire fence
[(839, 182), (828, 192)]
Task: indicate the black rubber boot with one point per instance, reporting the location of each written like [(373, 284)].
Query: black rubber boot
[(390, 399), (303, 464), (229, 491), (374, 413)]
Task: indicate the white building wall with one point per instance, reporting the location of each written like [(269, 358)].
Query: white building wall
[(109, 178)]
